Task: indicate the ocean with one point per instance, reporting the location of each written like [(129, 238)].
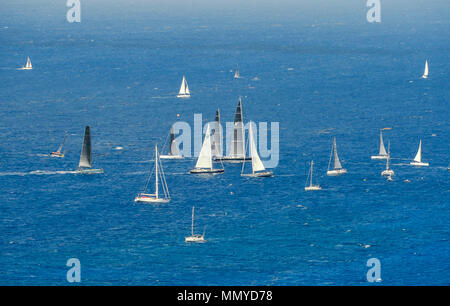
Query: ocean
[(320, 70)]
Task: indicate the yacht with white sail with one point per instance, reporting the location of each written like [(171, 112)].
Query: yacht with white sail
[(418, 159), (311, 186), (236, 74), (204, 163), (388, 171), (425, 72), (382, 152), (337, 167), (194, 237), (174, 151), (184, 89), (237, 146), (28, 65), (156, 197), (59, 152), (258, 169), (85, 164)]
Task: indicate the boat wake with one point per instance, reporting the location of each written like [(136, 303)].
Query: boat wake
[(36, 172)]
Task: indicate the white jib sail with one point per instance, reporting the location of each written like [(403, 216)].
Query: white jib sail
[(184, 90), (205, 157), (425, 73), (418, 157), (257, 164), (382, 148)]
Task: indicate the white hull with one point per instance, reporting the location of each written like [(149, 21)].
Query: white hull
[(171, 157), (379, 156), (419, 164), (149, 199), (336, 172), (387, 172), (259, 174), (424, 77), (25, 68), (183, 96), (313, 188), (230, 159), (195, 238), (89, 171)]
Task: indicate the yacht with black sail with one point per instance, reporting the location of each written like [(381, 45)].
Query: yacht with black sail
[(85, 164), (174, 151)]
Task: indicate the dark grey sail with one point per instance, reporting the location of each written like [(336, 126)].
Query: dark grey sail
[(86, 151), (216, 145), (237, 143), (174, 150)]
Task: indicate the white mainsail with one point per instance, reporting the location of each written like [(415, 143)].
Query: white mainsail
[(337, 162), (418, 157), (257, 164), (382, 148), (236, 74), (184, 88), (425, 73), (28, 65), (205, 156)]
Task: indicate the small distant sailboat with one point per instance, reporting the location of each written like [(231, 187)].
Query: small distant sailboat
[(382, 153), (236, 74), (425, 73), (144, 197), (258, 169), (418, 159), (194, 237), (85, 164), (59, 152), (337, 167), (28, 65), (216, 145), (204, 163), (184, 89), (174, 151), (388, 172), (237, 151), (311, 186)]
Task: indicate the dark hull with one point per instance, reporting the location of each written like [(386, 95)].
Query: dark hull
[(206, 171)]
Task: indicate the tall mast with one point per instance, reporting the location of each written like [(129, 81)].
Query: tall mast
[(156, 171), (312, 165), (192, 224)]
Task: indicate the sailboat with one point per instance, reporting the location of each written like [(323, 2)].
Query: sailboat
[(237, 151), (58, 152), (144, 197), (311, 187), (418, 159), (236, 74), (174, 151), (194, 237), (85, 164), (388, 172), (258, 169), (425, 73), (184, 89), (337, 167), (216, 144), (382, 153), (204, 162), (28, 65)]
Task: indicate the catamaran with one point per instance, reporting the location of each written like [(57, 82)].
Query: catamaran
[(58, 152), (311, 186), (216, 144), (28, 65), (382, 153), (388, 172), (184, 89), (418, 159), (337, 167), (236, 74), (194, 237), (174, 151), (204, 162), (144, 197), (85, 164), (237, 151), (258, 169), (425, 73)]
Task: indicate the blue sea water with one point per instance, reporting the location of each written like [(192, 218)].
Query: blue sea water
[(319, 69)]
